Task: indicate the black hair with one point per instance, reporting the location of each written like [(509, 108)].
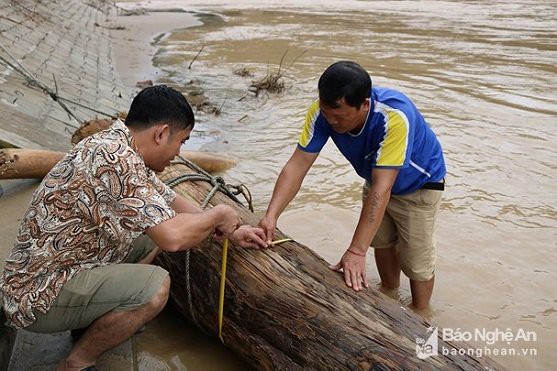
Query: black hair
[(159, 103), (344, 79)]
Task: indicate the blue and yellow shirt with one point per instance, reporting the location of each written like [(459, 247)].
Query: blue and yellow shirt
[(395, 135)]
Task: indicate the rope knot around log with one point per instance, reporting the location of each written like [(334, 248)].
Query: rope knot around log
[(218, 180), (219, 184)]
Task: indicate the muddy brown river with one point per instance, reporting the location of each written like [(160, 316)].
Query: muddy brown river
[(484, 76)]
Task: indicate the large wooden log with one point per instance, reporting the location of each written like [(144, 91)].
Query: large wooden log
[(285, 310), (18, 163)]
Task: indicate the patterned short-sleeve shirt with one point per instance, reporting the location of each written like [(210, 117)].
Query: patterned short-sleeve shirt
[(86, 213)]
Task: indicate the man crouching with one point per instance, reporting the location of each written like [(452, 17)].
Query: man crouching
[(74, 264)]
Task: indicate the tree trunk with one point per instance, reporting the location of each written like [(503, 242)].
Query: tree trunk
[(18, 163), (285, 310)]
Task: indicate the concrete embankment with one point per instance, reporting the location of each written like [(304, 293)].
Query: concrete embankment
[(61, 45)]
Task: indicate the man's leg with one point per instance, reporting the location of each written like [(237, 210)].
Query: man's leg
[(112, 329), (415, 215), (113, 300), (148, 259), (388, 267), (421, 293), (143, 251)]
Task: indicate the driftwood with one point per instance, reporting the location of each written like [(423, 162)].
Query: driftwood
[(16, 163), (93, 126), (285, 310)]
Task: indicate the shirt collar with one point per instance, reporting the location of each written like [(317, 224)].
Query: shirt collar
[(124, 132)]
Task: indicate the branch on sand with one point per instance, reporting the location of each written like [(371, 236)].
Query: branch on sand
[(130, 12), (196, 98), (197, 55)]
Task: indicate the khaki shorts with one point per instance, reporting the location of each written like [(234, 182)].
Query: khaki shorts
[(409, 225), (93, 293)]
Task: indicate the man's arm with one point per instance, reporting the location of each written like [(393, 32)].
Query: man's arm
[(186, 230), (182, 205), (245, 236), (373, 210), (287, 186)]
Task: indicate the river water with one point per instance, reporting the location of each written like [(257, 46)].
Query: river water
[(484, 76)]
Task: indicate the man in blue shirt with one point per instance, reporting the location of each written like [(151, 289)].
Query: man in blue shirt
[(389, 144)]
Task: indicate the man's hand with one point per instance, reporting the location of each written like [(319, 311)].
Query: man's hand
[(268, 224), (353, 265), (249, 237), (229, 221)]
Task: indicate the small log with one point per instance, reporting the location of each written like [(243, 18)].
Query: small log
[(286, 310), (94, 126), (89, 128), (17, 163)]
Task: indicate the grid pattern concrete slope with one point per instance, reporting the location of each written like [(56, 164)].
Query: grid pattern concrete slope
[(62, 44)]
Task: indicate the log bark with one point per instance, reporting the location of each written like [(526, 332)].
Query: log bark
[(17, 163), (286, 310)]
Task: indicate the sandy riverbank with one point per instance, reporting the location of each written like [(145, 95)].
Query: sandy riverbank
[(134, 46)]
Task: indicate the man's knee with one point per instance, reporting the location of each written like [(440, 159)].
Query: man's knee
[(422, 273), (158, 301), (418, 263)]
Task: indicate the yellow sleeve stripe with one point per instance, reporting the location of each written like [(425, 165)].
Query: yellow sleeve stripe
[(309, 124), (392, 150)]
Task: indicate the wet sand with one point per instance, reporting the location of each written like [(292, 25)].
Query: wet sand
[(134, 46)]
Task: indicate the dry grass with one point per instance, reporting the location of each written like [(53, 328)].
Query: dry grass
[(272, 82)]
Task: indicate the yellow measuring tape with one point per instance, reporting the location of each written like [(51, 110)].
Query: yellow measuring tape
[(222, 286), (223, 280)]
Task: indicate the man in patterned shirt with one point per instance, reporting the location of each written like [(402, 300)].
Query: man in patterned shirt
[(70, 267), (390, 145)]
